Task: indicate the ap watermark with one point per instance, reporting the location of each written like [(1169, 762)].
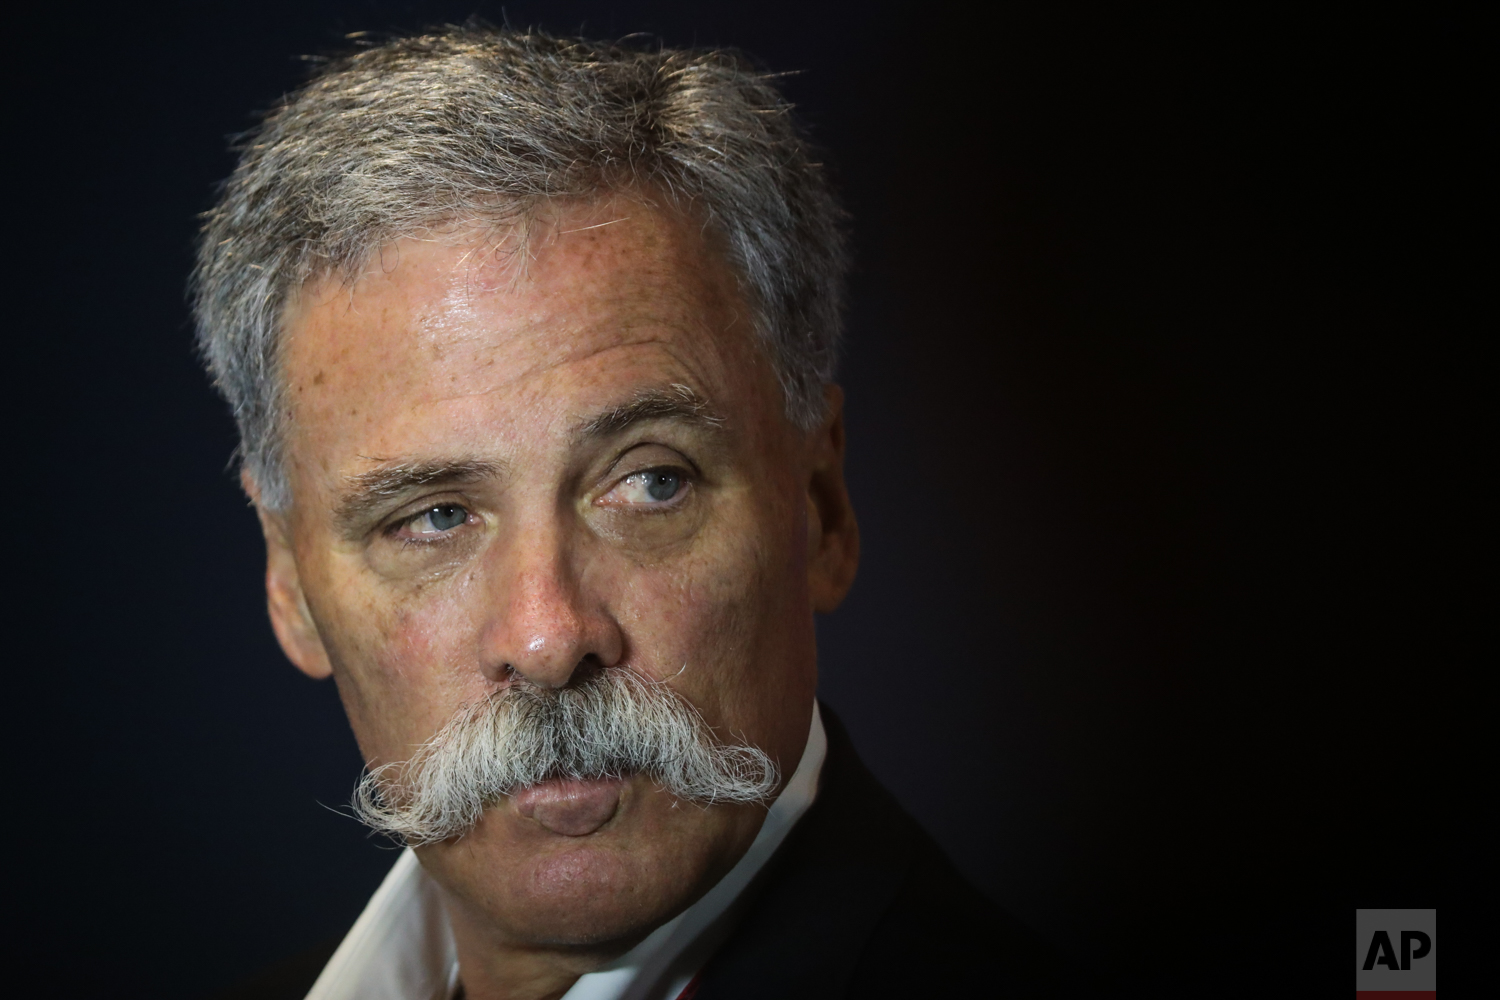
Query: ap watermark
[(1395, 951)]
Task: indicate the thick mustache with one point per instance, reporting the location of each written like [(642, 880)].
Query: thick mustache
[(612, 725)]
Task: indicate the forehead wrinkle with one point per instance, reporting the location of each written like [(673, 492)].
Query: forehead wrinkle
[(543, 367)]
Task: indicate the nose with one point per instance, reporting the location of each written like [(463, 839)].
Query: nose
[(543, 623)]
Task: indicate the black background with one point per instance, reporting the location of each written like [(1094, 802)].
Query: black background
[(1162, 413)]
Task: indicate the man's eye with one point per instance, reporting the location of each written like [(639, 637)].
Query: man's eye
[(652, 486), (437, 520), (661, 486)]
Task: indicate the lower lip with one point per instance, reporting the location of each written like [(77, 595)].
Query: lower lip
[(571, 807)]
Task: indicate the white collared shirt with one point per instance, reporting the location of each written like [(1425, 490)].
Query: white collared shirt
[(401, 947)]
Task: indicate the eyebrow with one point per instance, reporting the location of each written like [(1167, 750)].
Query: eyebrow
[(676, 402), (367, 492)]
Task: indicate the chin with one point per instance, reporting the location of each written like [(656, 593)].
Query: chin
[(593, 894), (607, 888)]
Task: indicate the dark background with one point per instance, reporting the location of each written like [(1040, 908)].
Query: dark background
[(1163, 410)]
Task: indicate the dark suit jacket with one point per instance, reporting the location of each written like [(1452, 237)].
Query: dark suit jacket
[(859, 902)]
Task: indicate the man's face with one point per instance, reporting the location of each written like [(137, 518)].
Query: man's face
[(519, 468)]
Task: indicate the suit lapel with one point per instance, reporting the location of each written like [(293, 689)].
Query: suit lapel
[(801, 932)]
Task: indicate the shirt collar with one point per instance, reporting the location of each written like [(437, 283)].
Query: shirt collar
[(401, 947)]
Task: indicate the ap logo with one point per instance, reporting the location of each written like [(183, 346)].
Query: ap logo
[(1395, 951)]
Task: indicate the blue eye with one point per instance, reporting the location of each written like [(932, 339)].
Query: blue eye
[(661, 484), (436, 520), (658, 489), (447, 516)]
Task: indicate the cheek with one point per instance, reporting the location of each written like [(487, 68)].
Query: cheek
[(697, 611), (732, 612), (392, 659)]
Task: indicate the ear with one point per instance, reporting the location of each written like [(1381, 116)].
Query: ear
[(290, 619), (832, 531)]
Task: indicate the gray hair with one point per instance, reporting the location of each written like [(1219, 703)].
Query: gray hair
[(476, 125), (612, 724)]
